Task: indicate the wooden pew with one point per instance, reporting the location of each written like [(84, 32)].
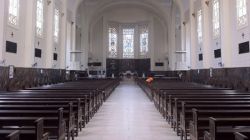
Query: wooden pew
[(13, 135), (51, 101), (224, 128), (68, 109), (200, 122), (187, 115), (241, 136), (27, 128), (50, 118), (55, 126), (174, 108)]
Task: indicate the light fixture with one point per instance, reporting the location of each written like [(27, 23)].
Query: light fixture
[(62, 14), (34, 65), (207, 2), (193, 14), (184, 23), (48, 2)]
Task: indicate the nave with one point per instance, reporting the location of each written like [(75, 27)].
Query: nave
[(128, 114)]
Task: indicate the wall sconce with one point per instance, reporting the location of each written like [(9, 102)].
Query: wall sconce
[(72, 22), (48, 2), (221, 64), (34, 65), (193, 14), (243, 35), (3, 62), (207, 3), (62, 14), (54, 66), (184, 23)]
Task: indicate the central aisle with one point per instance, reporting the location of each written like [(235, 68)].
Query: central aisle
[(128, 115)]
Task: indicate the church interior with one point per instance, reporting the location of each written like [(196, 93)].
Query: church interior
[(124, 70)]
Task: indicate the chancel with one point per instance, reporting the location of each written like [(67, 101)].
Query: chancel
[(124, 70)]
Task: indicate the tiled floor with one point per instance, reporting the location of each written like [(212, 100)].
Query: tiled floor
[(127, 115)]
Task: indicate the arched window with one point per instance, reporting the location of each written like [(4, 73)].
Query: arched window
[(56, 25), (143, 40), (13, 12), (216, 18), (128, 42), (39, 17), (113, 39), (199, 26), (241, 13)]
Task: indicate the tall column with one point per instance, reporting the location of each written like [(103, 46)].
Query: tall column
[(193, 35), (63, 36), (207, 51), (173, 62), (226, 33), (2, 32), (73, 34), (30, 33), (50, 37)]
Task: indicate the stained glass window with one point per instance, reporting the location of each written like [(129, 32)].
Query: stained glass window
[(13, 12), (56, 25), (112, 52), (199, 26), (241, 12), (216, 18), (39, 17), (143, 40), (128, 43)]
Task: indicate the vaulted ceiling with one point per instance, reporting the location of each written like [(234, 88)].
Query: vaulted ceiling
[(74, 4)]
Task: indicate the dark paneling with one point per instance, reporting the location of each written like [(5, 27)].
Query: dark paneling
[(217, 53), (38, 53), (96, 64), (118, 66), (244, 47), (159, 64), (55, 57), (200, 57), (30, 77), (112, 66), (11, 47)]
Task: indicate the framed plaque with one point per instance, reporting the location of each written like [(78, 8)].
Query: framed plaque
[(11, 72)]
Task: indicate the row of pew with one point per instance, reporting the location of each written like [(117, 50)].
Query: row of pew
[(55, 112), (201, 112)]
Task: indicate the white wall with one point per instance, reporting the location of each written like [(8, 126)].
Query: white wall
[(97, 42), (25, 35), (228, 41)]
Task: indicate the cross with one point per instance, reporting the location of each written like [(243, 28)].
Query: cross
[(12, 34), (38, 43), (243, 35)]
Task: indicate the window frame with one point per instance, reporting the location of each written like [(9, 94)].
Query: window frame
[(132, 29), (199, 23), (16, 26), (109, 42), (143, 30), (56, 31), (243, 25), (216, 19), (43, 19)]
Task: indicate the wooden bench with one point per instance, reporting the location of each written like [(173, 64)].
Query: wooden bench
[(224, 128), (241, 136), (12, 135), (28, 128), (55, 126), (47, 115)]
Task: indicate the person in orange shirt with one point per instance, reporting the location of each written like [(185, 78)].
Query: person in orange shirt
[(150, 80)]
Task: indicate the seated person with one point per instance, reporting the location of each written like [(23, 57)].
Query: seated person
[(150, 79)]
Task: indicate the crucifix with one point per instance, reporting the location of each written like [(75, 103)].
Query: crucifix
[(12, 34)]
